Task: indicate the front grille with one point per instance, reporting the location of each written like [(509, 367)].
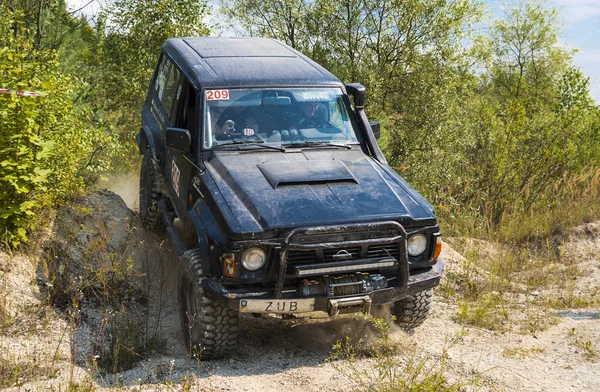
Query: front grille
[(300, 257), (385, 250), (303, 257)]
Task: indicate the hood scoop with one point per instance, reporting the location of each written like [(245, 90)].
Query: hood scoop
[(289, 173)]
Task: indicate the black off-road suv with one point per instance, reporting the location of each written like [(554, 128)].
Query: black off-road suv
[(275, 194)]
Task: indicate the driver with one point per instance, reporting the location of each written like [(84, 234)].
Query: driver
[(314, 115), (236, 120)]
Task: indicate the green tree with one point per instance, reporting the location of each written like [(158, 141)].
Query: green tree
[(130, 34), (46, 22), (48, 152), (528, 58)]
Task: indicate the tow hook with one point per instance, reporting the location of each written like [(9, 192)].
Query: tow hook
[(334, 306)]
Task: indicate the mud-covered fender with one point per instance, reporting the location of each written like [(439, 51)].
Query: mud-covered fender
[(145, 141), (207, 231), (202, 244)]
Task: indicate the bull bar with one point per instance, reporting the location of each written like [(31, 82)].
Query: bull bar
[(404, 285)]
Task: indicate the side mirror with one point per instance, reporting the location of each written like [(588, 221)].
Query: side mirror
[(376, 127), (178, 139), (359, 93)]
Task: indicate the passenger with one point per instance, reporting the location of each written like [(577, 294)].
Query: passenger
[(235, 120)]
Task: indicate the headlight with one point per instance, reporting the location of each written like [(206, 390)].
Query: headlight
[(417, 244), (253, 259)]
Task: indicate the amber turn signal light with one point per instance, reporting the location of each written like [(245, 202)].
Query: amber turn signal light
[(438, 247), (229, 265)]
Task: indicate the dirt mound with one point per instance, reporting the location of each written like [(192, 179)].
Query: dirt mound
[(101, 268), (92, 236)]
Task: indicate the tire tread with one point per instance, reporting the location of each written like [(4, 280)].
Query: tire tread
[(217, 324), (412, 311)]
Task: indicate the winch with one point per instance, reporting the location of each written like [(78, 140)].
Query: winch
[(336, 286)]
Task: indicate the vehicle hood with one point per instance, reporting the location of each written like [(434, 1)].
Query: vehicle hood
[(273, 190)]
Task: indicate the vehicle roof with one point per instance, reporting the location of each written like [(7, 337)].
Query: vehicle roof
[(245, 62)]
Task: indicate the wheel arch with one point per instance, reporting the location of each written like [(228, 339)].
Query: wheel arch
[(147, 140), (201, 238)]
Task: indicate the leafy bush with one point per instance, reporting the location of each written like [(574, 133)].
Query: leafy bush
[(48, 151)]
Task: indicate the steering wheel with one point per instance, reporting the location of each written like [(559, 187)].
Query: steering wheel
[(241, 136)]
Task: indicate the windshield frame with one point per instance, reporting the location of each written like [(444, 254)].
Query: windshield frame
[(351, 129)]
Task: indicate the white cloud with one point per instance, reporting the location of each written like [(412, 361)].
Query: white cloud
[(89, 8), (579, 10)]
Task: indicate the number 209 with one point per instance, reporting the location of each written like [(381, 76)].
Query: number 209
[(212, 95)]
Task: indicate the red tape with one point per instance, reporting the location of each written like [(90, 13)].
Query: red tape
[(20, 93)]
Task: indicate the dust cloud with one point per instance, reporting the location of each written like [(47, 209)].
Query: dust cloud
[(125, 185)]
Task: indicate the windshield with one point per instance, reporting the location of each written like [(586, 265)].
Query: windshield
[(281, 117)]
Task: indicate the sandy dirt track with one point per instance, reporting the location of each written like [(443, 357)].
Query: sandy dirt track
[(274, 355)]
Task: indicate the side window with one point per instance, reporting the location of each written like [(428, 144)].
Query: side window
[(166, 84), (184, 115)]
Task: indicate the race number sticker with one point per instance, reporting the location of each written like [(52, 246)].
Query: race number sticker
[(175, 177), (216, 95)]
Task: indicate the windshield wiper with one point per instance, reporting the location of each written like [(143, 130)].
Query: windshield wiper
[(278, 148), (242, 143), (319, 144)]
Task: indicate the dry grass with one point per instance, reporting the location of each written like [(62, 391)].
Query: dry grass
[(510, 287), (377, 366), (15, 372), (523, 353), (521, 272), (527, 218), (31, 347), (586, 346)]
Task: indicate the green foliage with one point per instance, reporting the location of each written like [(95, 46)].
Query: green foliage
[(55, 145), (47, 150), (493, 129), (124, 52), (485, 126), (378, 43)]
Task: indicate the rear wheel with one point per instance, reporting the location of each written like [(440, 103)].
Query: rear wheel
[(149, 192), (210, 329)]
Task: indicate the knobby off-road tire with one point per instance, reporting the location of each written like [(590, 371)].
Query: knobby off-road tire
[(412, 311), (149, 193), (210, 329)]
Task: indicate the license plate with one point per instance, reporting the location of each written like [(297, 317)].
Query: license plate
[(285, 306)]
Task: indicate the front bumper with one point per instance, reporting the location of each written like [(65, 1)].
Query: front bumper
[(418, 281)]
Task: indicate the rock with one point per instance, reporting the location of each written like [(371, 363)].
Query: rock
[(97, 243), (98, 260)]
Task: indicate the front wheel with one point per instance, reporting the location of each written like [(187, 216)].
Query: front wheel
[(409, 312), (210, 329), (412, 311)]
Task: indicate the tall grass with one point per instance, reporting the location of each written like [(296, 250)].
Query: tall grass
[(527, 217), (516, 271)]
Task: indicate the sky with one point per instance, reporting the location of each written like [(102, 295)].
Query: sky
[(581, 31)]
